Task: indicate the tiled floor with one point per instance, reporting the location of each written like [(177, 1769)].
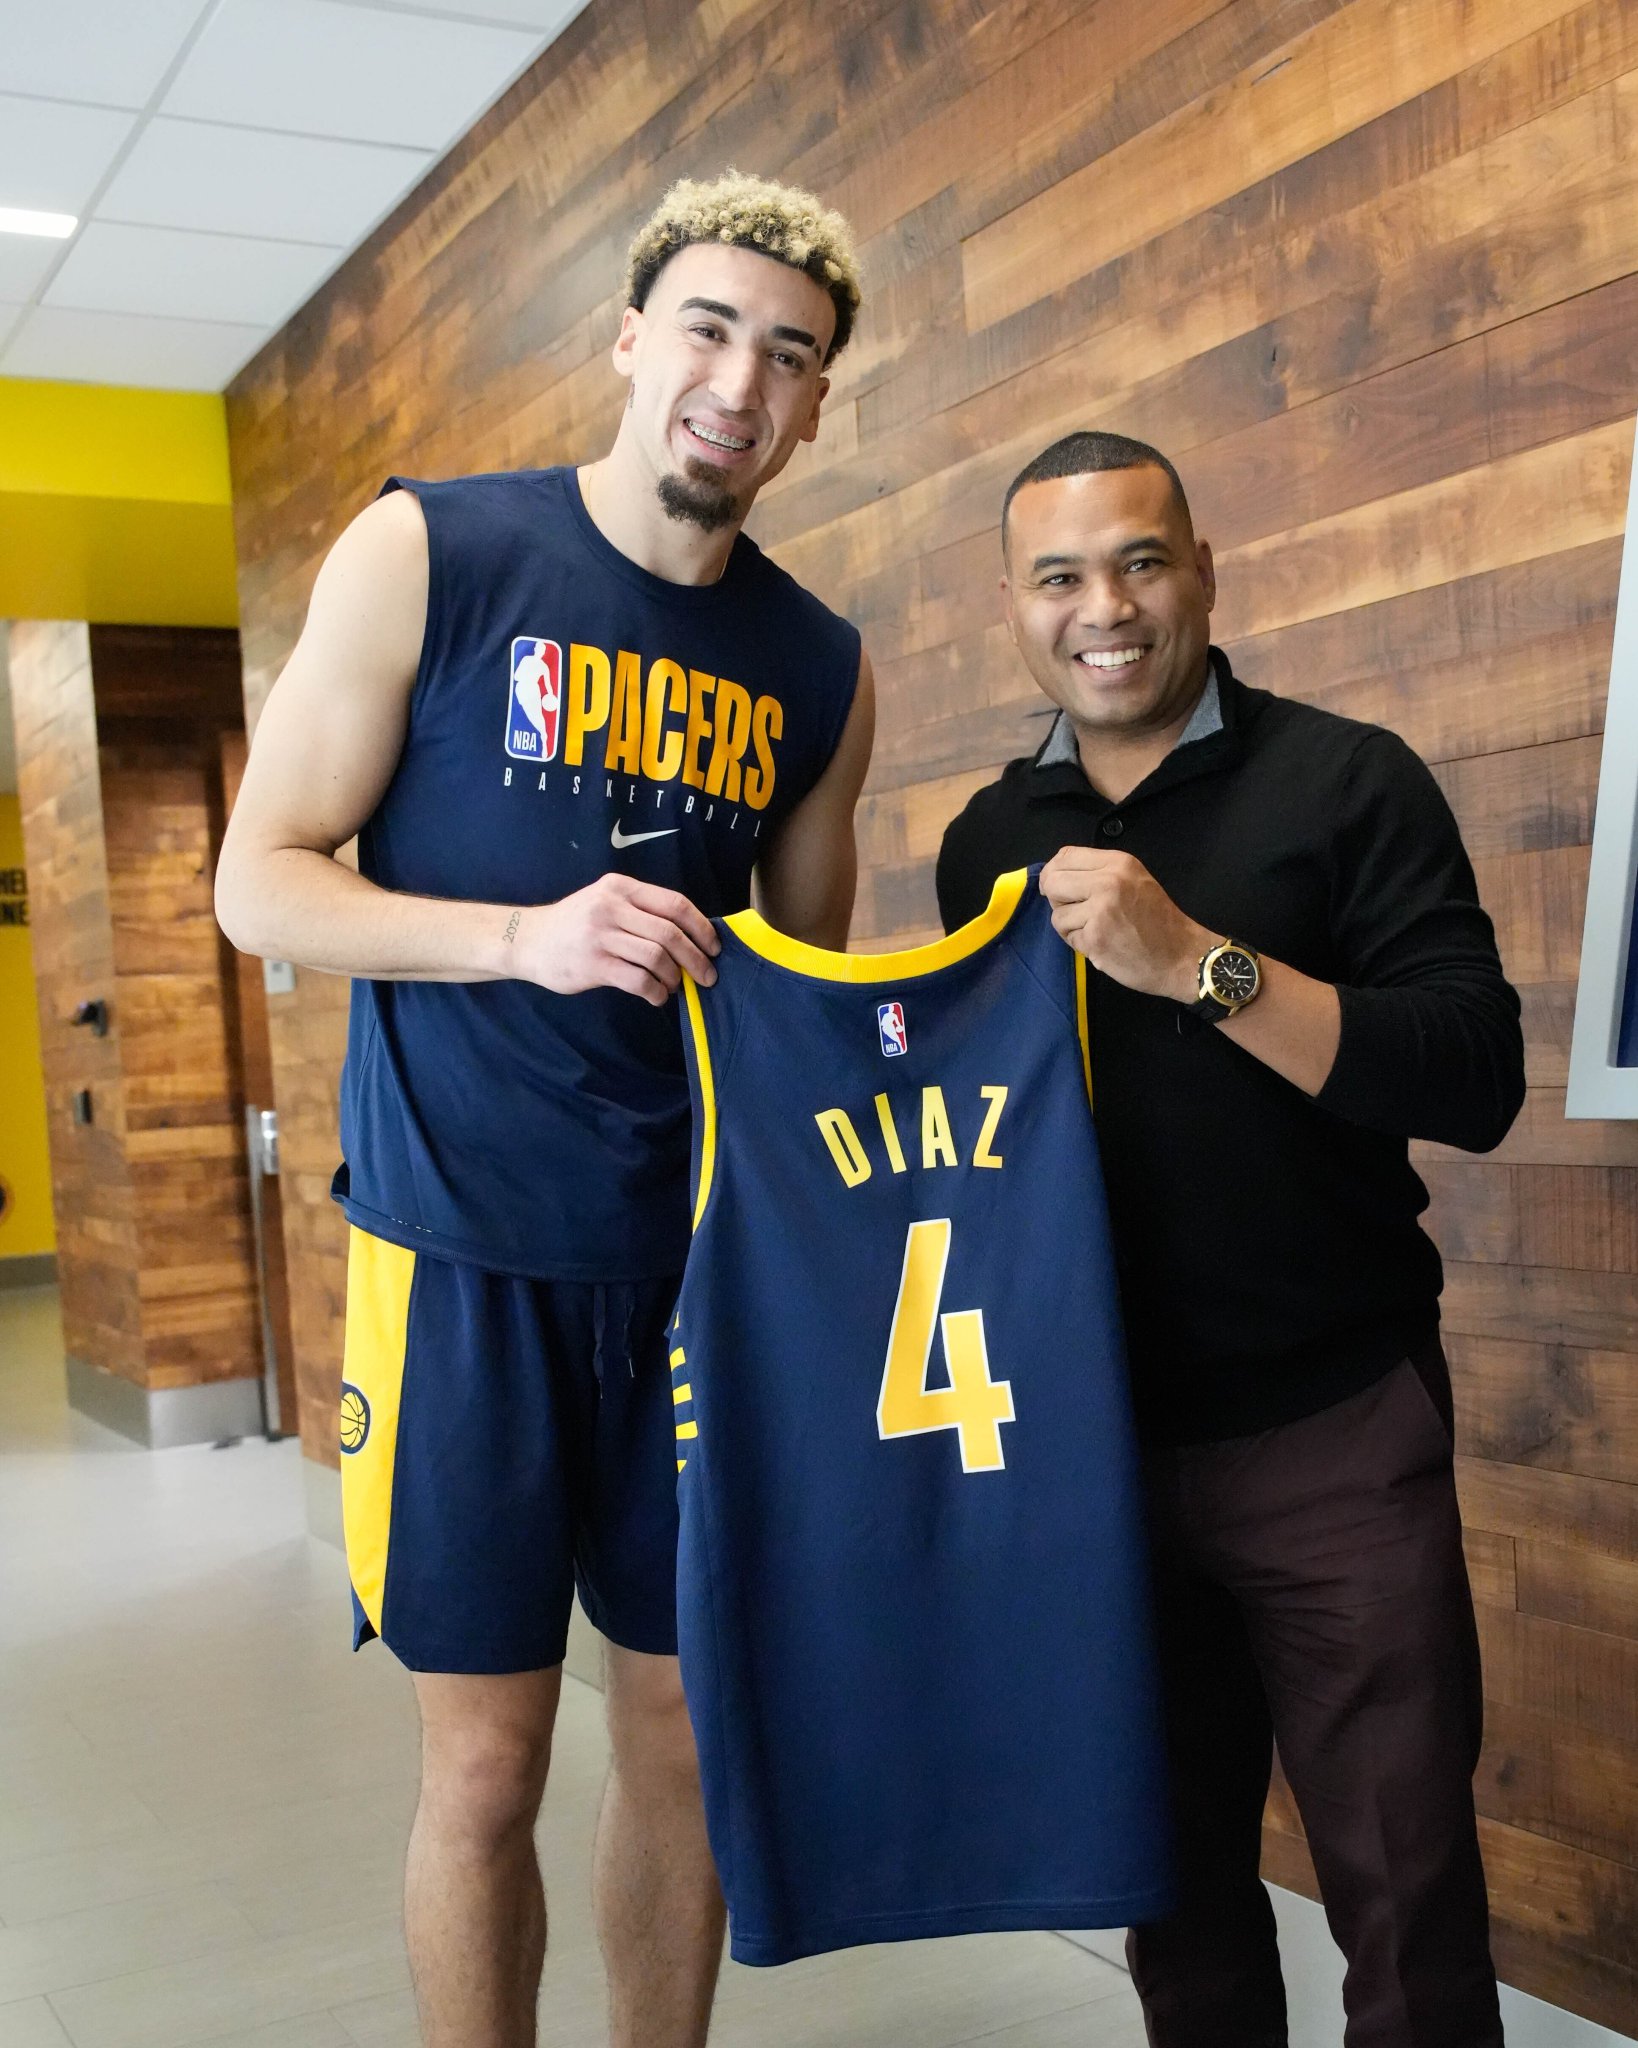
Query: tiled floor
[(204, 1796)]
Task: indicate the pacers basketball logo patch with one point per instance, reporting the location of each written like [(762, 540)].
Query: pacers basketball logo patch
[(890, 1019), (534, 701), (355, 1418)]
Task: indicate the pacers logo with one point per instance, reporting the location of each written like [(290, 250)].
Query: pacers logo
[(355, 1418)]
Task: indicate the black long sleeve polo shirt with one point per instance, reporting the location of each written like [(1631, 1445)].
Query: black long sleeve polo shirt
[(1270, 1256)]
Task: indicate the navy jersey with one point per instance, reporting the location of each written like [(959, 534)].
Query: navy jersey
[(912, 1584), (572, 714)]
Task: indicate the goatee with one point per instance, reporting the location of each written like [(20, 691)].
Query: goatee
[(698, 497)]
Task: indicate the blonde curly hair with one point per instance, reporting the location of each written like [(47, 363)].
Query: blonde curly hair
[(781, 221)]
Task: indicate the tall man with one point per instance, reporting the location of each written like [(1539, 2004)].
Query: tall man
[(1295, 977), (566, 713)]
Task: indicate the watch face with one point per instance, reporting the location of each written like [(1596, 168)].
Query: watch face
[(1233, 976)]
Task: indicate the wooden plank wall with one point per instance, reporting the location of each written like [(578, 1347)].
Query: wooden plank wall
[(1369, 270), (59, 792), (120, 777)]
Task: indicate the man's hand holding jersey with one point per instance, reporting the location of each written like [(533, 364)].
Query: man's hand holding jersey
[(615, 933), (1109, 907)]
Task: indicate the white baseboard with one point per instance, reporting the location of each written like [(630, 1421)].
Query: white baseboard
[(164, 1418), (28, 1269)]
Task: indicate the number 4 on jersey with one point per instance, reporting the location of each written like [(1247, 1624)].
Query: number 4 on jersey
[(973, 1404)]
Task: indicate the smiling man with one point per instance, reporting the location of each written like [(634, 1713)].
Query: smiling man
[(1294, 977), (568, 714)]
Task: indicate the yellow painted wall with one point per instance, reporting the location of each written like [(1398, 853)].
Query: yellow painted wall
[(115, 505), (25, 1163)]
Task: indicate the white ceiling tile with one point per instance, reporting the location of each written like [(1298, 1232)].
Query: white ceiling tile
[(549, 16), (191, 174), (121, 348), (113, 51), (113, 269), (52, 156), (25, 261), (320, 67)]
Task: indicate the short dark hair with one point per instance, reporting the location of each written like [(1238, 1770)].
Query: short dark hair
[(1085, 453)]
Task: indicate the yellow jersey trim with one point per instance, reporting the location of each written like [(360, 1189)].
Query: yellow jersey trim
[(1083, 1023), (708, 1100), (752, 930)]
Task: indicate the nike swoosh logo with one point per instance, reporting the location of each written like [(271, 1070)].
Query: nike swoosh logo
[(617, 838)]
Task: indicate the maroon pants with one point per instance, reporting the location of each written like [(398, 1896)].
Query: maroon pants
[(1311, 1591)]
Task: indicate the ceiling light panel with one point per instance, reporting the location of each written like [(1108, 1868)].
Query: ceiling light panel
[(112, 51), (53, 157), (120, 348), (244, 181), (25, 220), (321, 67), (116, 269)]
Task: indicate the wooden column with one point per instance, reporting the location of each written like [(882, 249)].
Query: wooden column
[(59, 787), (120, 784)]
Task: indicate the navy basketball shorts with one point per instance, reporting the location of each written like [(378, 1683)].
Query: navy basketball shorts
[(503, 1442)]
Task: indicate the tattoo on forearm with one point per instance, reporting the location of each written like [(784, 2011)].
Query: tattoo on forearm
[(511, 930)]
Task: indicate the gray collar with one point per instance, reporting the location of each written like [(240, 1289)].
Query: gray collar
[(1206, 719)]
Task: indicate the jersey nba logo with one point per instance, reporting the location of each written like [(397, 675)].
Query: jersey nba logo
[(534, 700), (890, 1017)]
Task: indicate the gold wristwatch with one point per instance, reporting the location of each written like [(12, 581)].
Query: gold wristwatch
[(1230, 976)]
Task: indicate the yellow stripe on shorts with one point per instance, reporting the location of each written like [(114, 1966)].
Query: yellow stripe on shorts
[(372, 1380)]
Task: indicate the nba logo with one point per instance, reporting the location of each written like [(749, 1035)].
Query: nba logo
[(890, 1019), (534, 699)]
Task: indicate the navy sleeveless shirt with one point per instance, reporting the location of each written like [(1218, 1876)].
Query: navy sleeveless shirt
[(572, 715)]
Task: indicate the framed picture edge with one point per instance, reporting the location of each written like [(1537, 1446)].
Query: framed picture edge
[(1598, 1086)]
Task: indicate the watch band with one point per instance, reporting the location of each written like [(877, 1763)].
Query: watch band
[(1210, 1011)]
